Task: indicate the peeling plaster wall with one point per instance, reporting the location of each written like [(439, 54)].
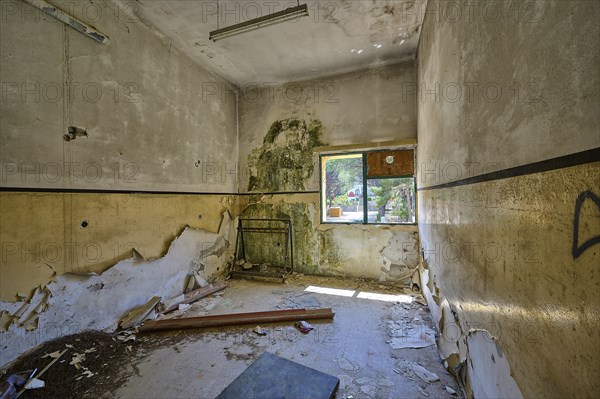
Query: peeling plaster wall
[(279, 126), (516, 302), (151, 128), (74, 303), (42, 236)]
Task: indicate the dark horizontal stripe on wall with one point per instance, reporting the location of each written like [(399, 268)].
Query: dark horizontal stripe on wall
[(282, 193), (578, 158), (107, 191), (102, 191)]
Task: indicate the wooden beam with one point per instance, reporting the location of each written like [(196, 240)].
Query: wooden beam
[(233, 319)]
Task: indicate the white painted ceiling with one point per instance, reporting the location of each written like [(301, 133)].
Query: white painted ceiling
[(339, 36)]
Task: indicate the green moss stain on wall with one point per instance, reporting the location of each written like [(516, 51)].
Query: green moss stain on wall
[(284, 162), (330, 252)]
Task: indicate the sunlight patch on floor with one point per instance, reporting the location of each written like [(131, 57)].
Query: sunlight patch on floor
[(361, 295)]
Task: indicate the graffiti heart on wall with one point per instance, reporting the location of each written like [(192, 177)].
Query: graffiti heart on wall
[(577, 248)]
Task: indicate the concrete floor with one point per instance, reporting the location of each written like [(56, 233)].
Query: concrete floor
[(353, 347)]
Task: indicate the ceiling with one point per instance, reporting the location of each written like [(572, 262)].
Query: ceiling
[(339, 36)]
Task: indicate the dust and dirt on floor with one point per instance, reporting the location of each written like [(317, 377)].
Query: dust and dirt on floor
[(380, 345)]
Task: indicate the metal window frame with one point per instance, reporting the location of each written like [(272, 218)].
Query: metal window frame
[(365, 179)]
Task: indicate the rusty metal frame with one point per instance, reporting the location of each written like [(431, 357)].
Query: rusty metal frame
[(240, 246)]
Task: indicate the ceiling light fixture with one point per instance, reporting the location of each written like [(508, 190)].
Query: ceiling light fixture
[(260, 22)]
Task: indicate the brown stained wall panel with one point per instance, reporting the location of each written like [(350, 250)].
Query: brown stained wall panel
[(402, 164)]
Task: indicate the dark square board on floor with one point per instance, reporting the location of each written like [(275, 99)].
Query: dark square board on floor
[(273, 377)]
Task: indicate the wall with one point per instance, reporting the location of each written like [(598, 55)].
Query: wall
[(280, 125), (507, 105), (151, 130)]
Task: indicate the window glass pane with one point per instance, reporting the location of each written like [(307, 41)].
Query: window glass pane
[(342, 188), (391, 200)]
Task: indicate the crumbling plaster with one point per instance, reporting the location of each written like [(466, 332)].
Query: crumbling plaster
[(73, 303), (500, 274), (46, 237)]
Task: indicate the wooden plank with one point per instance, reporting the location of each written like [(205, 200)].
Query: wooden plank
[(238, 319), (195, 295)]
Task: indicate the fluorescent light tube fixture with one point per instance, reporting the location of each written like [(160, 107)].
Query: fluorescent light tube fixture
[(260, 22)]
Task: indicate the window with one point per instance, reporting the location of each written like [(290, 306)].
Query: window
[(376, 187)]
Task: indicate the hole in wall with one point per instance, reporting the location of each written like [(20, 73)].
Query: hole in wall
[(84, 224), (200, 216)]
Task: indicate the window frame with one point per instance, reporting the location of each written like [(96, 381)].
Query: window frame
[(365, 180)]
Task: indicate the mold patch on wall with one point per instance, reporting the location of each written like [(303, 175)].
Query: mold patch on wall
[(285, 160)]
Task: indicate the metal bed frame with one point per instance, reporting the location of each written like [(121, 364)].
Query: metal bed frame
[(246, 226)]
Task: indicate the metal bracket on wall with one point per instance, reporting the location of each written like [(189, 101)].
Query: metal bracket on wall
[(264, 226)]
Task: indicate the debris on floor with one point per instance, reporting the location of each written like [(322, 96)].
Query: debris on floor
[(411, 331), (124, 364), (411, 342), (192, 296), (103, 369), (346, 365), (124, 336), (77, 359), (259, 330), (183, 306), (137, 315), (304, 327), (35, 383), (423, 373), (450, 390)]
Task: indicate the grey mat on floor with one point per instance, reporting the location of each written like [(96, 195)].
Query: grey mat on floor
[(273, 377)]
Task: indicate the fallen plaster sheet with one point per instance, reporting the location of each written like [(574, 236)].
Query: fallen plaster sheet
[(488, 370), (76, 303), (410, 334), (412, 370), (410, 343)]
